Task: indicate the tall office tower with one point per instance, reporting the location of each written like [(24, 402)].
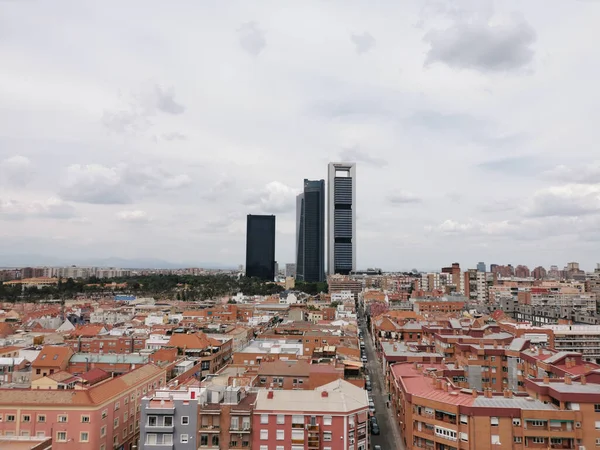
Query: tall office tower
[(481, 267), (341, 218), (260, 247), (310, 232)]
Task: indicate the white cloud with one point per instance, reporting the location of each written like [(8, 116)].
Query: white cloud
[(363, 42), (584, 174), (52, 208), (275, 197), (568, 200), (133, 216), (15, 170), (252, 38), (403, 197), (98, 184), (483, 46)]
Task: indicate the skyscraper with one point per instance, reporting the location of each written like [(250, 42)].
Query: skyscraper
[(310, 232), (480, 267), (260, 247), (341, 218)]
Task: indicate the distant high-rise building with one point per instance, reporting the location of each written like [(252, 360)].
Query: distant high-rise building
[(260, 247), (290, 270), (539, 273), (310, 232), (481, 267), (341, 218)]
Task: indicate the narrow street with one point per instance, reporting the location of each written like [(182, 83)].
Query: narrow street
[(389, 438)]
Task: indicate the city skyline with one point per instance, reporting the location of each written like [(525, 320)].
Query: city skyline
[(465, 153)]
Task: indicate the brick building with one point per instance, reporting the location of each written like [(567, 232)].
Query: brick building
[(333, 416)]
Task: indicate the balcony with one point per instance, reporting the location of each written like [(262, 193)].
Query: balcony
[(160, 428), (242, 429), (297, 441), (210, 428), (312, 428)]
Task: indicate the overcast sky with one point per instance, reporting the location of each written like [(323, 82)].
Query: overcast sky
[(149, 129)]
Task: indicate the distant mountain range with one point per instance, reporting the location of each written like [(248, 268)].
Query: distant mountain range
[(29, 260)]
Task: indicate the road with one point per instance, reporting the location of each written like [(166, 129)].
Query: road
[(389, 438)]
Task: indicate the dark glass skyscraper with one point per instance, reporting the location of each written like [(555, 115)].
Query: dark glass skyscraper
[(310, 232), (260, 247), (341, 218)]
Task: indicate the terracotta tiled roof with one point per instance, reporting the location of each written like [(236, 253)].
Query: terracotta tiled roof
[(95, 395), (53, 356), (61, 376), (6, 329), (189, 341), (285, 368), (95, 375), (87, 330)]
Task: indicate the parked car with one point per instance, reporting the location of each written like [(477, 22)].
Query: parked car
[(368, 386), (375, 429), (371, 406), (374, 421), (377, 447)]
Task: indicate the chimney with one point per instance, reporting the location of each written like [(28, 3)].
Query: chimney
[(270, 394), (495, 344), (437, 383), (474, 393), (445, 386), (488, 393), (324, 394), (583, 380), (506, 393), (546, 379), (568, 379), (481, 344)]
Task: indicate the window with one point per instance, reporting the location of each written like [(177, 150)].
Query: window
[(116, 440), (264, 435), (280, 419), (151, 439), (540, 423), (168, 439), (495, 439), (280, 435), (263, 380), (61, 436), (264, 418), (204, 440), (41, 418), (555, 440), (40, 434), (104, 414), (264, 447), (327, 420), (116, 423), (517, 439), (103, 431), (494, 421), (185, 420), (597, 407), (516, 422), (327, 436), (168, 421), (597, 424), (464, 419), (10, 418), (215, 440), (184, 438), (152, 421), (25, 418), (538, 440), (62, 419), (84, 436), (464, 437), (117, 405)]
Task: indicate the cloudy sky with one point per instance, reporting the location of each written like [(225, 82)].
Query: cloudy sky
[(149, 129)]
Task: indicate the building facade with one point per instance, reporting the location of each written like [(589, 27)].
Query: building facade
[(341, 218), (260, 247), (310, 232)]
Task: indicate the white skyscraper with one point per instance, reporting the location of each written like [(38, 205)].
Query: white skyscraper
[(341, 218)]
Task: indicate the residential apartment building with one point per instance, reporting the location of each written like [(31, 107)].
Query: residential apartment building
[(332, 416), (103, 416), (433, 413)]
